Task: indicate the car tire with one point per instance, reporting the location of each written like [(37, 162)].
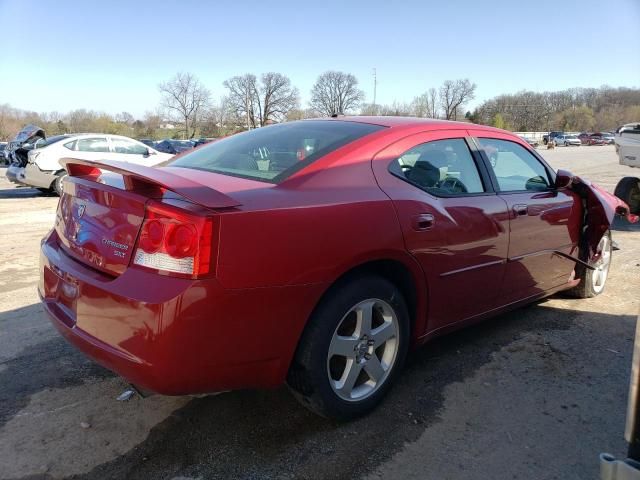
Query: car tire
[(57, 185), (331, 378), (592, 282), (628, 190), (566, 144)]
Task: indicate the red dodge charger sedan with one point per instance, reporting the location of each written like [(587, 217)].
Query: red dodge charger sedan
[(315, 253)]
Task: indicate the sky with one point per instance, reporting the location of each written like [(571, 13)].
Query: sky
[(111, 56)]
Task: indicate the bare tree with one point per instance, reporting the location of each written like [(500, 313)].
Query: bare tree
[(276, 98), (243, 91), (125, 117), (335, 93), (184, 98), (262, 102), (432, 94), (454, 95)]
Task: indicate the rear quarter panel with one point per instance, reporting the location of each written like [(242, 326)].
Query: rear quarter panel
[(307, 231)]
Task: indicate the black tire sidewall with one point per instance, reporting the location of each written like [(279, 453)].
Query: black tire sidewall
[(623, 191), (325, 320)]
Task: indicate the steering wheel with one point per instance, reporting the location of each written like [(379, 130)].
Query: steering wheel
[(453, 184)]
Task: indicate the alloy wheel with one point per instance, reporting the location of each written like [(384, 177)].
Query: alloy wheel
[(599, 275), (363, 349)]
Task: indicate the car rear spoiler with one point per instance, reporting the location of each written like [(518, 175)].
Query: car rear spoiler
[(136, 177)]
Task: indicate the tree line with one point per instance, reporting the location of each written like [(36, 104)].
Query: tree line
[(187, 108), (574, 109)]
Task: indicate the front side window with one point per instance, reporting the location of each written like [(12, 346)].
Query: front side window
[(92, 145), (122, 145), (441, 167), (514, 167), (274, 153)]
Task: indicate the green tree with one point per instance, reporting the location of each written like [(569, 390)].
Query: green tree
[(498, 121)]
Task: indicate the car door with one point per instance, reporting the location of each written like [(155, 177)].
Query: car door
[(127, 150), (543, 221), (451, 220)]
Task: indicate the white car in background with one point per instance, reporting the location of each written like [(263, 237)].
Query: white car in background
[(43, 169), (567, 140)]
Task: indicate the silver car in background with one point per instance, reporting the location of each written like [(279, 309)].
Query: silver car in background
[(567, 140)]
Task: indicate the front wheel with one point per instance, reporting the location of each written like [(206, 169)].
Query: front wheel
[(352, 349), (592, 282)]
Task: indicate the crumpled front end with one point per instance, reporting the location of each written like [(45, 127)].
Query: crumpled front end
[(601, 208)]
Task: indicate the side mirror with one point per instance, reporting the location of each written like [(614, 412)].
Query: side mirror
[(563, 179)]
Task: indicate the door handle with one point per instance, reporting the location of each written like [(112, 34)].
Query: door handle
[(520, 209), (422, 222)]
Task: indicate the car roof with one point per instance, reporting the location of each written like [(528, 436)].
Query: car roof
[(398, 123)]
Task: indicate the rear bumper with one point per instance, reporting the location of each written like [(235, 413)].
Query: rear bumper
[(170, 335)]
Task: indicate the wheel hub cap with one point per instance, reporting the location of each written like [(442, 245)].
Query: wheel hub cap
[(363, 349)]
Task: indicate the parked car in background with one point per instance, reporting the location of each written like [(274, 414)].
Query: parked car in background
[(550, 136), (202, 141), (628, 150), (597, 139), (3, 146), (148, 142), (314, 252), (18, 149), (174, 146), (44, 170), (567, 140), (584, 138), (609, 137), (534, 143)]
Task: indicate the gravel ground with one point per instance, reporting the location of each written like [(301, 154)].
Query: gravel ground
[(536, 393)]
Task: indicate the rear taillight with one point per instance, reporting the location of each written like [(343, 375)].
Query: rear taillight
[(174, 241)]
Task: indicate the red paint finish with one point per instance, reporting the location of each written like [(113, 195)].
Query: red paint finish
[(278, 248)]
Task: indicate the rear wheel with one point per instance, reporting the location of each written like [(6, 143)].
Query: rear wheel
[(628, 190), (352, 349), (592, 282), (57, 185)]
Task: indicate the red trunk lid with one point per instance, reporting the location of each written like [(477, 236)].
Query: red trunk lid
[(102, 209), (98, 225)]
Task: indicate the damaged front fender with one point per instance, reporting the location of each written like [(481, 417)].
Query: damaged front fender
[(599, 211)]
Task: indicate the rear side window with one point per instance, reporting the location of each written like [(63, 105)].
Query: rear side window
[(274, 153), (441, 167), (514, 167), (121, 145), (92, 145)]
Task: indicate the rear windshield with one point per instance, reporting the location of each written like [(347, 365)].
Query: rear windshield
[(273, 153)]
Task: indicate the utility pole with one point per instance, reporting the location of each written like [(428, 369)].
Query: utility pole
[(375, 85)]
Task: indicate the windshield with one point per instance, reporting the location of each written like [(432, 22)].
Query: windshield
[(274, 153)]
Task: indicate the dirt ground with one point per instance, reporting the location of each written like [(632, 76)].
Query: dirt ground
[(534, 394)]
